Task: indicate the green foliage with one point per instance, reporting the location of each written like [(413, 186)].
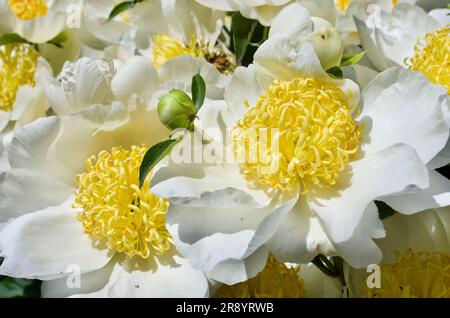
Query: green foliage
[(19, 288), (122, 7), (247, 35), (198, 90)]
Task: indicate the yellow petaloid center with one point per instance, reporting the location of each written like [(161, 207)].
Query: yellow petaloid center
[(275, 281), (432, 57), (17, 67), (343, 4), (414, 274), (115, 210), (165, 48), (28, 9), (303, 132)]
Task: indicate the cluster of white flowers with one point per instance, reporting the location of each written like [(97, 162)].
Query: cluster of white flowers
[(333, 116)]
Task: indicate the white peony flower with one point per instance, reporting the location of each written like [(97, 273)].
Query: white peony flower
[(226, 216), (118, 75), (23, 73), (319, 32), (416, 261), (161, 30), (72, 204), (408, 37), (81, 84), (38, 21)]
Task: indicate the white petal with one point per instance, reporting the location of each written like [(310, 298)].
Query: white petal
[(325, 9), (91, 283), (7, 18), (43, 29), (201, 184), (374, 52), (441, 16), (388, 78), (137, 76), (88, 82), (435, 196), (299, 238), (360, 250), (211, 121), (171, 77), (185, 18), (44, 244), (167, 276), (4, 119), (318, 285), (60, 145), (224, 5), (276, 58), (293, 21), (208, 237), (243, 87), (405, 26), (425, 231), (23, 191), (406, 112), (30, 104), (233, 271), (394, 170), (70, 50)]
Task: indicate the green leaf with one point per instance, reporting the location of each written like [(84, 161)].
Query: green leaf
[(59, 39), (198, 90), (335, 72), (122, 7), (384, 210), (325, 266), (18, 287), (351, 59), (154, 155), (12, 38), (242, 30)]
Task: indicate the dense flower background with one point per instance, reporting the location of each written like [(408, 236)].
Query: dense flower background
[(333, 117)]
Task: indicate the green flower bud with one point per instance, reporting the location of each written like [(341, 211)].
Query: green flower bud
[(327, 43), (176, 110)]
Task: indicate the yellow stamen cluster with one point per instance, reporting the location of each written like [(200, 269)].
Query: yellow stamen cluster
[(28, 9), (17, 67), (316, 136), (432, 57), (165, 48), (414, 274), (275, 281), (115, 210)]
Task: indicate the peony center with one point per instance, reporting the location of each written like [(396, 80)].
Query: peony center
[(303, 132), (432, 57), (414, 274), (115, 210), (28, 9), (165, 48), (275, 281), (18, 64)]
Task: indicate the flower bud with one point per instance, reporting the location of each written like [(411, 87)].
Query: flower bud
[(176, 110), (327, 43)]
